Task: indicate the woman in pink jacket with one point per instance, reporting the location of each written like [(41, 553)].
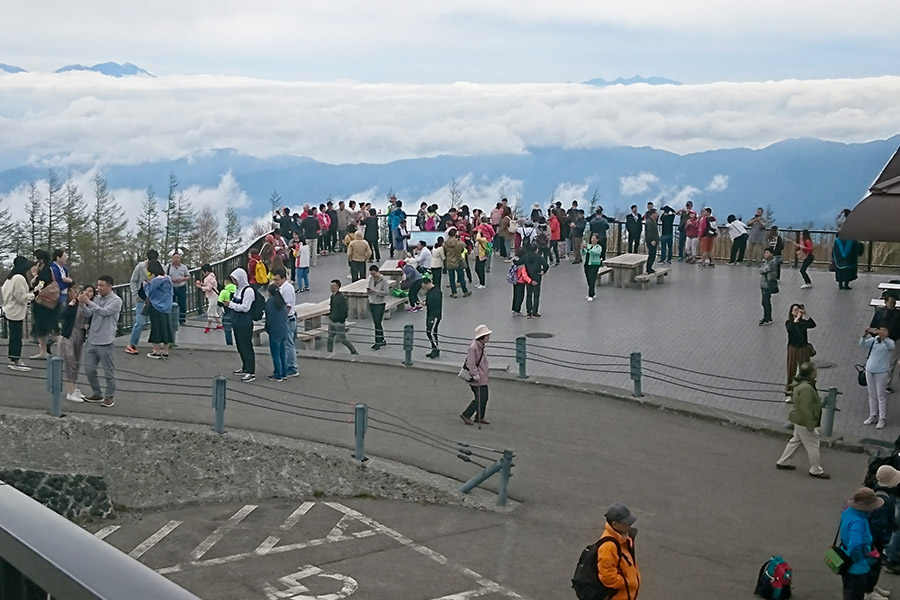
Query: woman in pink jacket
[(477, 366), (210, 288)]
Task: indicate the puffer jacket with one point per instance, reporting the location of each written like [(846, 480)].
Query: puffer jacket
[(619, 572), (358, 250)]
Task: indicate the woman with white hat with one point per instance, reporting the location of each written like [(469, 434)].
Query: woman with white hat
[(476, 366)]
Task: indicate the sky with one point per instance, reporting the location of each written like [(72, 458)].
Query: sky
[(481, 41)]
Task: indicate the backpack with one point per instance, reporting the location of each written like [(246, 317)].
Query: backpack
[(711, 230), (512, 275), (881, 520), (258, 307), (586, 580), (891, 459), (260, 274), (774, 581), (543, 240)]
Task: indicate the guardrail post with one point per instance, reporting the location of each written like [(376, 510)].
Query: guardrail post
[(521, 356), (55, 384), (481, 477), (361, 421), (218, 402), (408, 344), (636, 373), (830, 406), (505, 468)]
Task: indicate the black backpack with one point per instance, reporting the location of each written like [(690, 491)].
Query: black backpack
[(258, 308), (892, 459), (586, 580)]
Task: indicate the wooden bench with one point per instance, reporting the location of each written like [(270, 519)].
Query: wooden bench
[(658, 274), (392, 303)]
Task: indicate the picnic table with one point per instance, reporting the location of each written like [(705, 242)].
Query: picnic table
[(626, 267), (390, 268), (889, 286), (357, 295)]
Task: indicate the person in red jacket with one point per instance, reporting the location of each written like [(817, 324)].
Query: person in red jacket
[(805, 254), (553, 222)]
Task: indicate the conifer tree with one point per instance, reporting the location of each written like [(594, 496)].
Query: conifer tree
[(148, 228), (55, 215), (107, 225), (8, 235), (74, 234), (171, 214), (34, 226), (232, 242), (206, 240), (275, 201)]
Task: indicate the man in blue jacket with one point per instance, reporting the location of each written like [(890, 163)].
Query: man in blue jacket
[(856, 540)]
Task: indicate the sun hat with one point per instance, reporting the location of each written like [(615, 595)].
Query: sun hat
[(887, 476), (482, 330), (619, 512), (865, 500)]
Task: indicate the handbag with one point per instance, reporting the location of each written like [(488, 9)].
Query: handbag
[(861, 369), (836, 558), (811, 349), (464, 372), (48, 297)]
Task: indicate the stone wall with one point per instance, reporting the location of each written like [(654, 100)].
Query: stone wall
[(155, 464), (73, 496)]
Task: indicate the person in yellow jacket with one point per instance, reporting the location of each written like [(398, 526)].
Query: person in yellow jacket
[(616, 565)]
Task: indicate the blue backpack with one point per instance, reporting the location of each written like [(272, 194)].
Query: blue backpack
[(512, 275), (774, 581)]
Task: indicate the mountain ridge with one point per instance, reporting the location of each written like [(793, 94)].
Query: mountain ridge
[(113, 69)]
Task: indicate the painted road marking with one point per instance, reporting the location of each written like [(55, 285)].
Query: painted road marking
[(207, 544), (471, 594), (484, 582), (103, 533), (297, 591), (154, 539), (272, 541)]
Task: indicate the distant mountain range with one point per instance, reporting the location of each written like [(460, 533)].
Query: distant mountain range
[(804, 180), (631, 81), (112, 69)]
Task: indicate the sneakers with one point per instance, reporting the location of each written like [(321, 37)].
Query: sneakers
[(805, 286), (248, 378), (479, 287), (873, 595), (881, 591), (466, 420), (239, 371), (880, 424), (517, 314), (75, 396), (453, 295), (590, 299), (466, 294), (154, 355), (218, 327), (273, 378), (93, 398), (129, 349), (292, 374), (108, 403), (820, 475), (871, 420), (206, 330), (19, 366), (434, 354), (764, 322)]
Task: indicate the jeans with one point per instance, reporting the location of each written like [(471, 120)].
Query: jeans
[(414, 292), (806, 263), (590, 273), (500, 244), (431, 330), (290, 347), (303, 277), (457, 274), (651, 256), (181, 300), (738, 246), (357, 270), (104, 357), (279, 356), (377, 311), (479, 270), (665, 242), (140, 321), (766, 304), (15, 340), (478, 404), (532, 299), (892, 550), (243, 339), (518, 297), (338, 331), (226, 325), (854, 586), (554, 246)]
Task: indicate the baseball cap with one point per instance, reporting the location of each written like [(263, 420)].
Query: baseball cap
[(619, 512)]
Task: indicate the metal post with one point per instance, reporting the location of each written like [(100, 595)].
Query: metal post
[(830, 406), (54, 384), (796, 243), (481, 477), (869, 266), (218, 402), (360, 423), (636, 373), (505, 474), (521, 356), (407, 344)]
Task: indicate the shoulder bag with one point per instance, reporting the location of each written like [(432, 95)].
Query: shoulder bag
[(836, 558), (48, 297), (464, 372), (861, 369)]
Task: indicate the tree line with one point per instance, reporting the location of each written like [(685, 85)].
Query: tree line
[(94, 229)]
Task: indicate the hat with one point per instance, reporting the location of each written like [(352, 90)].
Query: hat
[(22, 264), (401, 263), (482, 330), (887, 476), (865, 500), (619, 512)]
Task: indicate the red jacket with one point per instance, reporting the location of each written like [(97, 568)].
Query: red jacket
[(251, 269), (554, 228)]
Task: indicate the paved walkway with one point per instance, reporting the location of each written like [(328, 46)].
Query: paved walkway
[(686, 479), (702, 323)]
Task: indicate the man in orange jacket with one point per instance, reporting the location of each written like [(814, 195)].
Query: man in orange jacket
[(616, 563)]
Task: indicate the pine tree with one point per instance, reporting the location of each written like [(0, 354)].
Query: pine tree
[(184, 226), (275, 201), (55, 215), (769, 215), (206, 240), (107, 225), (8, 235), (232, 242), (148, 227), (171, 213), (34, 226), (74, 232)]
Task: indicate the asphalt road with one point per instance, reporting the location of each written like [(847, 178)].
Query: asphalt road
[(710, 503)]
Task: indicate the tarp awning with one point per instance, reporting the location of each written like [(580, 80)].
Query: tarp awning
[(877, 217)]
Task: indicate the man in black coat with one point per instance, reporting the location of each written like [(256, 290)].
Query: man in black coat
[(340, 309), (633, 225), (651, 235)]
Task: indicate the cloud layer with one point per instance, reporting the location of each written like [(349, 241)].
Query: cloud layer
[(78, 118)]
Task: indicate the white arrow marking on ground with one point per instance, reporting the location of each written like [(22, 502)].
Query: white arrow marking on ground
[(271, 541), (103, 533), (296, 590), (154, 539), (207, 544)]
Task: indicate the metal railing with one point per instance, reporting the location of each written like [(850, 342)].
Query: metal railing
[(44, 556)]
